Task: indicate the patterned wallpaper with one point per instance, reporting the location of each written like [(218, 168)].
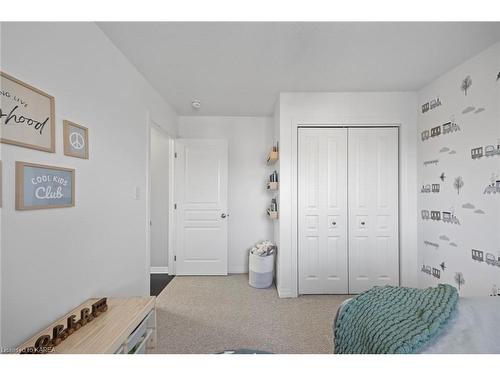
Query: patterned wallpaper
[(459, 178)]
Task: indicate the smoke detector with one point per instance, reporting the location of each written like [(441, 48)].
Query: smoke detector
[(196, 104)]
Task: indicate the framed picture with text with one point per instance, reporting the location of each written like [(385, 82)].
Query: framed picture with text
[(76, 140), (27, 115), (43, 186)]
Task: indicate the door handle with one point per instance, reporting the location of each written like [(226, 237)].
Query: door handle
[(363, 223), (223, 216)]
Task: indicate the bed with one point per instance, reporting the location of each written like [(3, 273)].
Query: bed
[(472, 330)]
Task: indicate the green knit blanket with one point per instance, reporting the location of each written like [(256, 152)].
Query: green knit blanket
[(394, 319)]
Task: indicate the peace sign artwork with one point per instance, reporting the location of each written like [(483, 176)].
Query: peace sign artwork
[(76, 140)]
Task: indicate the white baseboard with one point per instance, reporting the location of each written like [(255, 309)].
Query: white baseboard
[(237, 270), (286, 293), (158, 270)]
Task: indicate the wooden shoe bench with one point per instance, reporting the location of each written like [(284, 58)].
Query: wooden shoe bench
[(127, 326)]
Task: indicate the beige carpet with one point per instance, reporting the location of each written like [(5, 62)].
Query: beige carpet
[(210, 314)]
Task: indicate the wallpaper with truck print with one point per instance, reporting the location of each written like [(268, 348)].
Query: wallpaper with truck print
[(459, 178)]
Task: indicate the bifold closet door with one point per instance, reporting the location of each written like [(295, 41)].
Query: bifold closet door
[(373, 208), (322, 211)]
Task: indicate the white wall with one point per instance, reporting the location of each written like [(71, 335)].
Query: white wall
[(346, 108), (52, 260), (452, 243), (159, 160), (249, 140)]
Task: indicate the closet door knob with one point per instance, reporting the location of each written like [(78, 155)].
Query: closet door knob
[(363, 223), (334, 223), (223, 216)]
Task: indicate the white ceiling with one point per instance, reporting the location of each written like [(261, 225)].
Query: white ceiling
[(239, 68)]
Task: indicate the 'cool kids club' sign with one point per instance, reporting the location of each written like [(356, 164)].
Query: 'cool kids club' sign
[(43, 186)]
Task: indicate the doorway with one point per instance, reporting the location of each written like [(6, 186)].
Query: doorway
[(160, 207)]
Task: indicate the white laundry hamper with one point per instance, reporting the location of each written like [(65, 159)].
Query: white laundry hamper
[(261, 271)]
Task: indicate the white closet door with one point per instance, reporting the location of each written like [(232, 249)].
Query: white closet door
[(322, 211), (373, 208)]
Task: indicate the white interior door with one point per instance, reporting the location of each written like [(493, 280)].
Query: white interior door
[(322, 211), (373, 208), (201, 173)]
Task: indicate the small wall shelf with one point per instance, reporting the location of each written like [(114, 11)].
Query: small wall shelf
[(272, 157), (273, 215), (272, 186)]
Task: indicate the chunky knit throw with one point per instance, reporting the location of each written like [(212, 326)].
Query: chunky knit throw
[(394, 319)]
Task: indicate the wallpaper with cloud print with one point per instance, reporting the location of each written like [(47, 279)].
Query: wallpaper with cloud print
[(459, 178)]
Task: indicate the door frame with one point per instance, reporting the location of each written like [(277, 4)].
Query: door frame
[(294, 291), (170, 269)]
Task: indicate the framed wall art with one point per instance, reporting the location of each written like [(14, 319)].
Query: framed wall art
[(76, 140), (27, 115), (44, 186)]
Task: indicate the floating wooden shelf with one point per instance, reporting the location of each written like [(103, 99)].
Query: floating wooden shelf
[(273, 215), (272, 157), (272, 186)]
